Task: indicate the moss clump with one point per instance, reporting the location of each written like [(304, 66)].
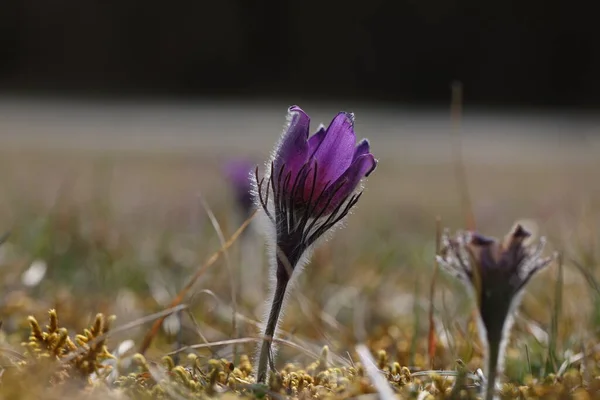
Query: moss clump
[(56, 365), (53, 363)]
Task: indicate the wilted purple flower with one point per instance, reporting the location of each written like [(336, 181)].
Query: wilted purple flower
[(495, 272), (310, 185), (239, 174)]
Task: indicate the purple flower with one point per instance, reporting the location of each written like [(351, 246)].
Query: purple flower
[(310, 185), (239, 173), (322, 170), (495, 273)]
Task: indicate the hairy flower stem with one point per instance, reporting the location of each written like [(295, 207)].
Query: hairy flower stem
[(265, 355), (493, 363)]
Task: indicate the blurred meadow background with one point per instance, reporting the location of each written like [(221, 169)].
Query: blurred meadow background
[(117, 127)]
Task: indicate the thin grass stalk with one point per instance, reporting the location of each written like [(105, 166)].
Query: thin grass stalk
[(417, 322), (183, 293), (456, 110), (431, 336), (228, 267), (552, 362)]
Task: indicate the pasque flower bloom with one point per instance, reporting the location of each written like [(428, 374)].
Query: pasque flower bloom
[(495, 272), (238, 172), (310, 185)]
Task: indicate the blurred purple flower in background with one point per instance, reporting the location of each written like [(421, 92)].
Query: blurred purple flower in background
[(250, 265), (239, 172), (495, 273), (310, 185)]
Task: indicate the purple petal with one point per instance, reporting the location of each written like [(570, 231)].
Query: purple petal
[(335, 152), (293, 148), (362, 149), (315, 140), (363, 166), (478, 239)]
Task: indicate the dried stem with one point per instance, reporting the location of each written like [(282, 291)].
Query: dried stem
[(456, 109), (431, 337)]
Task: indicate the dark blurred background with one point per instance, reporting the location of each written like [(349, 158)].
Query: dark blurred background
[(506, 53)]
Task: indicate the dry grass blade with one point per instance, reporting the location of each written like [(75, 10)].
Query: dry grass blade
[(181, 295), (289, 335), (232, 277), (380, 383), (311, 309), (589, 277), (242, 341), (431, 337), (577, 358), (417, 322), (552, 361), (456, 108), (4, 237), (529, 370), (12, 353), (214, 344), (459, 165), (443, 372)]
